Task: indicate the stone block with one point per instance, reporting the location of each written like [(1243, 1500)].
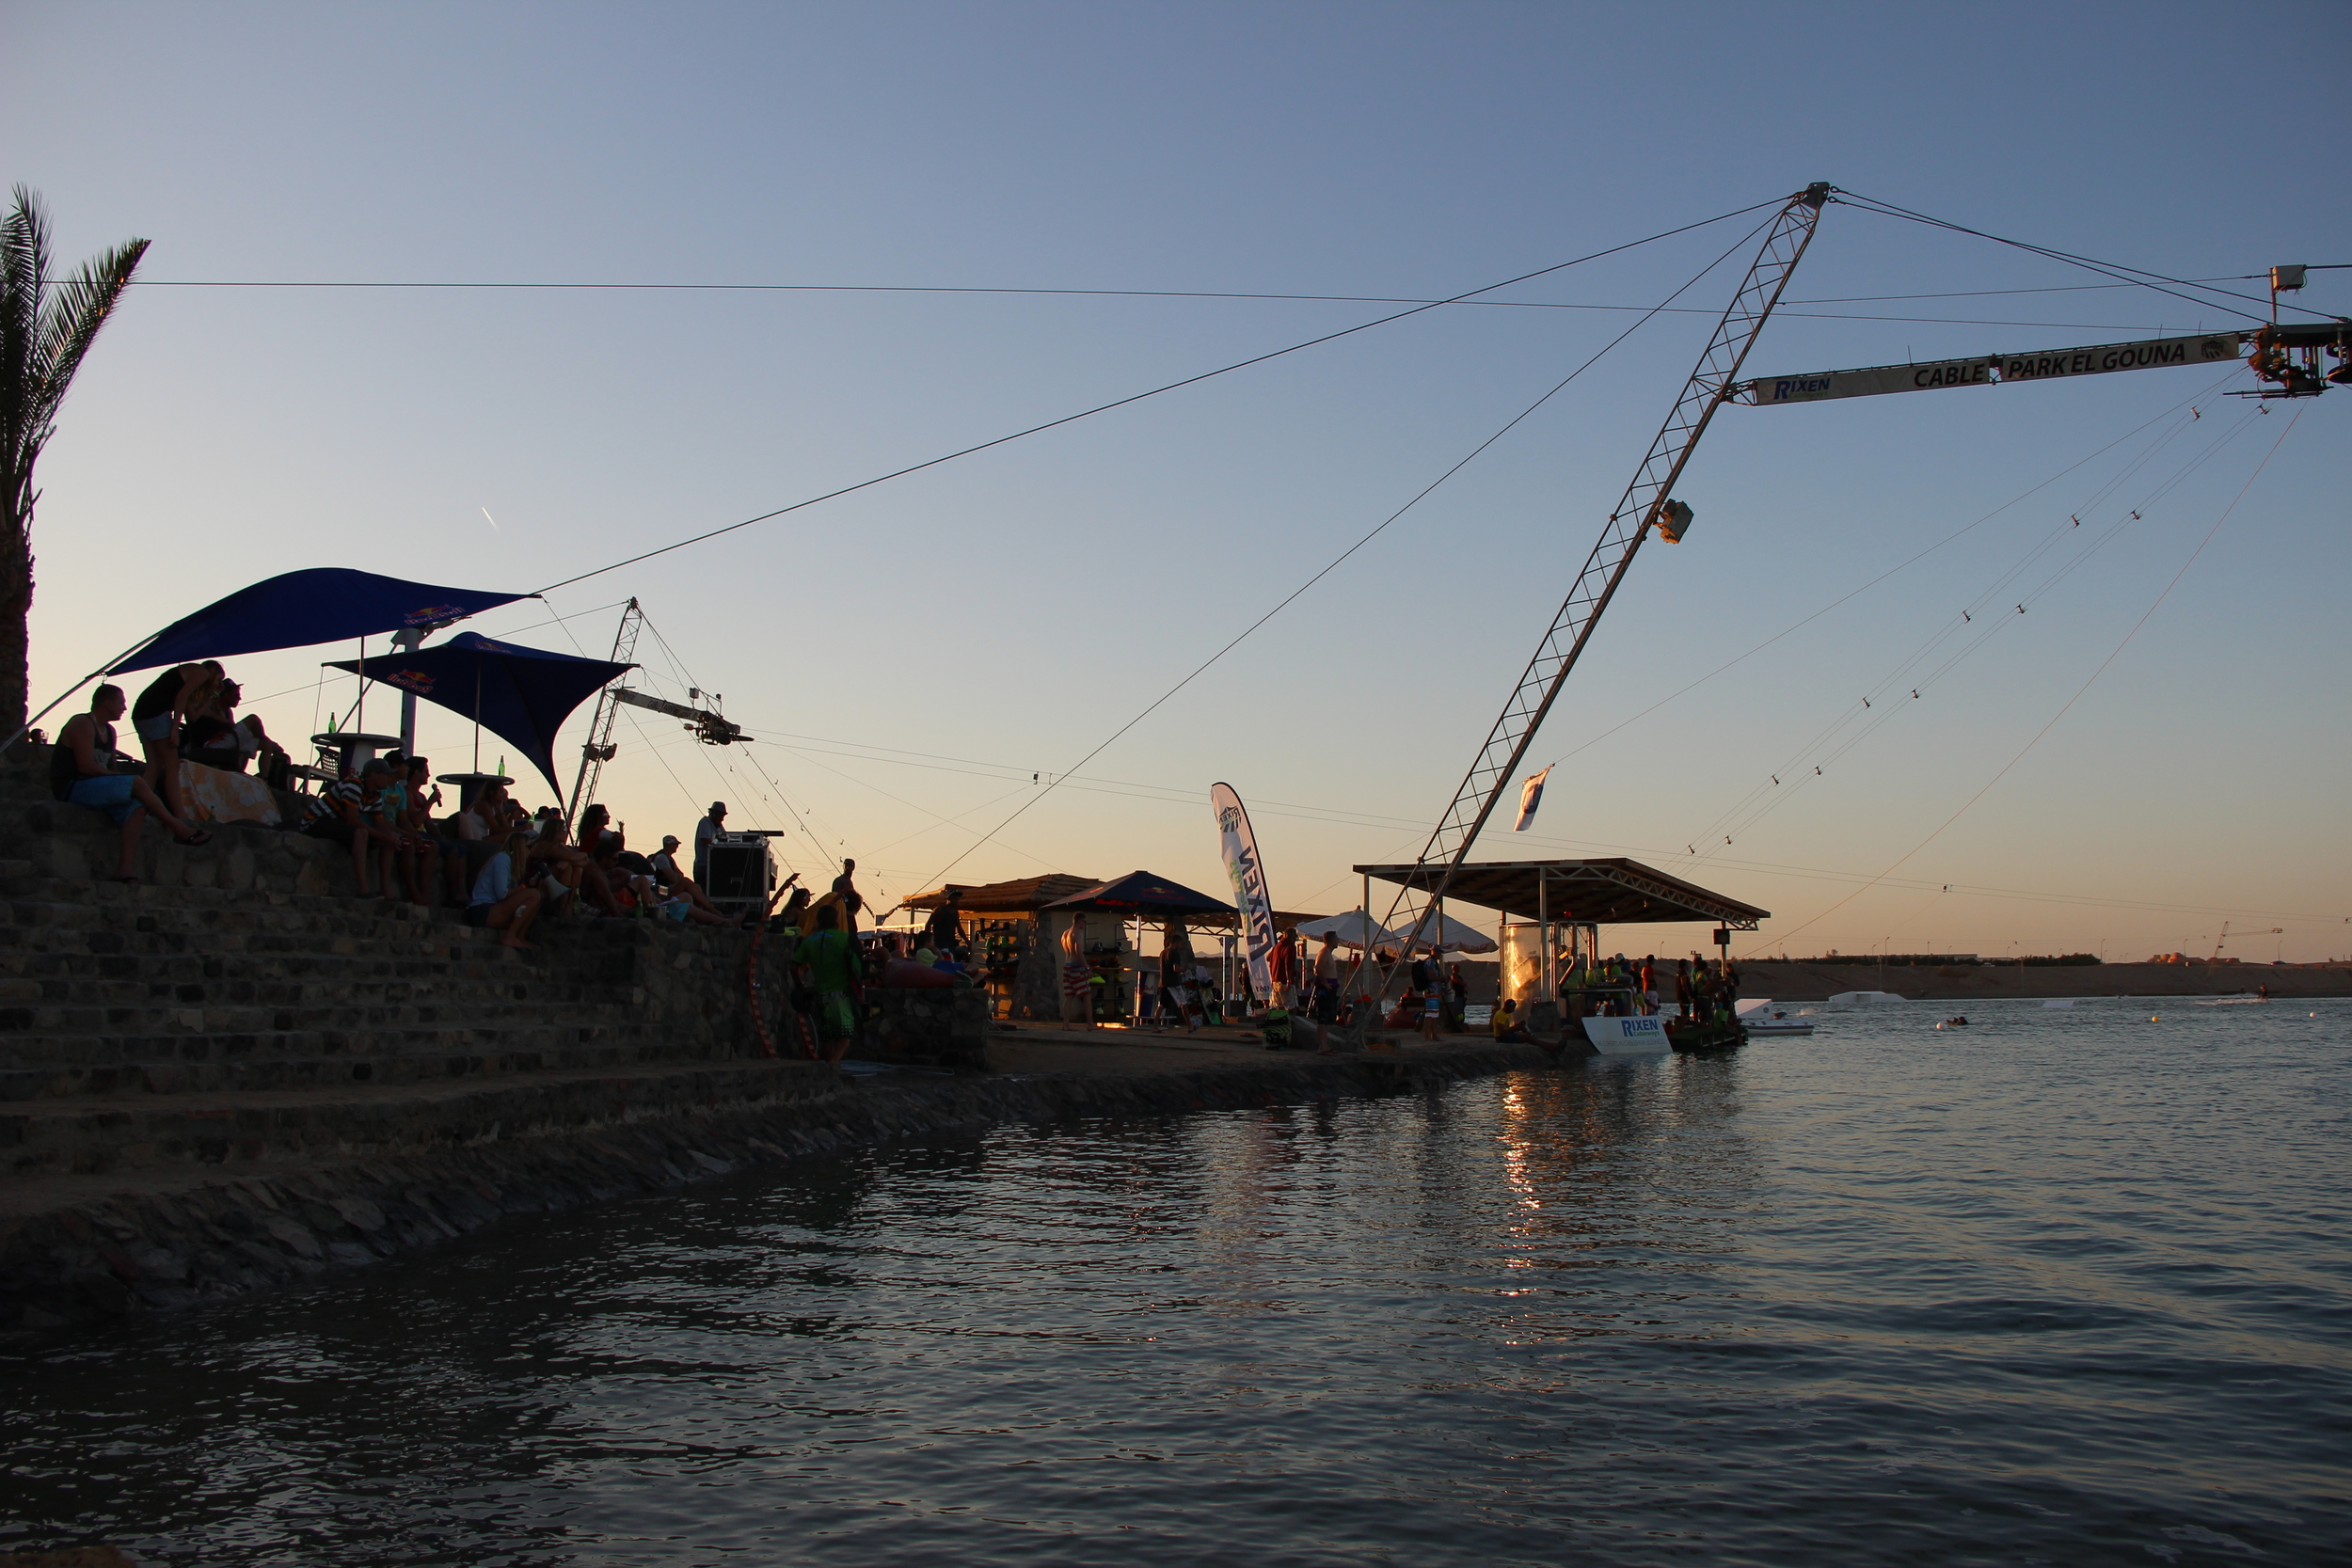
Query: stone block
[(944, 1028)]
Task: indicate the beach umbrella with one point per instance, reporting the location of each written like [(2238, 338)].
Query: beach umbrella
[(1446, 932), (1350, 929)]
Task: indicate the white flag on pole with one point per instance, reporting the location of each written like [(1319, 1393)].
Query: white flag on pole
[(1531, 796)]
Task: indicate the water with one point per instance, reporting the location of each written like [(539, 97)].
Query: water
[(2063, 1287)]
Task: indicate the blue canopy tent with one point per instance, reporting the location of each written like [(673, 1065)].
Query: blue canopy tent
[(294, 610), (325, 604), (522, 695), (1140, 892)]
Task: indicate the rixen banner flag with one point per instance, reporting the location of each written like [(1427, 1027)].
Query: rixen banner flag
[(1250, 892)]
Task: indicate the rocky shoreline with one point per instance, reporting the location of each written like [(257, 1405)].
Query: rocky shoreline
[(137, 1252)]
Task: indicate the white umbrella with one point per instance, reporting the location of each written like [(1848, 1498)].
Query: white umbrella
[(1349, 928), (1453, 934)]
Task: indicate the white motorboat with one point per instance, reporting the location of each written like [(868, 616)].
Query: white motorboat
[(1865, 997), (1757, 1017), (1628, 1037)]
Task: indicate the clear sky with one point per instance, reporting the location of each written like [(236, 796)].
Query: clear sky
[(910, 655)]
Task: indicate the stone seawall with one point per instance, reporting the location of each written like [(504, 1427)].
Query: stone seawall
[(123, 1251)]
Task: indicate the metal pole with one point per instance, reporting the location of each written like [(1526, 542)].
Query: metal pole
[(1543, 934), (408, 637)]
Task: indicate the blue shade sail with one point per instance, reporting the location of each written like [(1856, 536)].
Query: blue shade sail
[(522, 695), (1141, 893), (325, 604)]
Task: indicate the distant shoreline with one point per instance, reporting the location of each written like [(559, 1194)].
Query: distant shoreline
[(1804, 982)]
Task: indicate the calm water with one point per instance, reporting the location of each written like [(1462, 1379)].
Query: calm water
[(2063, 1287)]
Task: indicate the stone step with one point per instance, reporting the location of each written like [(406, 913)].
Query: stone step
[(458, 1054), (67, 1029), (318, 1032), (34, 1000), (234, 1133), (43, 900)]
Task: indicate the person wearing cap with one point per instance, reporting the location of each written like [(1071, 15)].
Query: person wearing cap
[(665, 870), (706, 831)]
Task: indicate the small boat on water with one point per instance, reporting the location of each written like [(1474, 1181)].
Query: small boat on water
[(1757, 1017), (1865, 997)]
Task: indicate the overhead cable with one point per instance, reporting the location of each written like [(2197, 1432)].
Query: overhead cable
[(2068, 706), (1334, 563), (1138, 397), (2112, 269)]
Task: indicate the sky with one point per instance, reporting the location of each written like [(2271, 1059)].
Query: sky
[(2139, 734)]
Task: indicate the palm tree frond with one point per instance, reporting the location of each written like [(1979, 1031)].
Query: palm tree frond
[(23, 270), (71, 315)]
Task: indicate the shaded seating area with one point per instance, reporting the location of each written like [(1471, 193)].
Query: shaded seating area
[(1551, 949)]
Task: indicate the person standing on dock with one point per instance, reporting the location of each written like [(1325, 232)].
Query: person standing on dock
[(947, 923), (1281, 965), (828, 963), (845, 893), (1077, 986), (1327, 979)]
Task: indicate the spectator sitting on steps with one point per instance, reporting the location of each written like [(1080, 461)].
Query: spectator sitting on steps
[(82, 772), (666, 868), (419, 859), (216, 737), (556, 866), (341, 813), (168, 700), (423, 796), (503, 900), (1506, 1025)]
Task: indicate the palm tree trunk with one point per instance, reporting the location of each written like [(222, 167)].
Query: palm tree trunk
[(16, 605)]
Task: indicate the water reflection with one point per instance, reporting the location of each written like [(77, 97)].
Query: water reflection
[(1777, 1306)]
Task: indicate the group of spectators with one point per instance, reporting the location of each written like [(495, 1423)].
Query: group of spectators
[(1620, 986), (188, 712), (86, 767), (1704, 993), (506, 865)]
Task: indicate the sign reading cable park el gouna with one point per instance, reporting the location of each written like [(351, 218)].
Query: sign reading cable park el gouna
[(1988, 369), (1240, 847)]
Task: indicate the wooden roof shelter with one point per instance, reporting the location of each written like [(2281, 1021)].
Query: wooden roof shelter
[(1029, 894), (1587, 893), (1021, 896)]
